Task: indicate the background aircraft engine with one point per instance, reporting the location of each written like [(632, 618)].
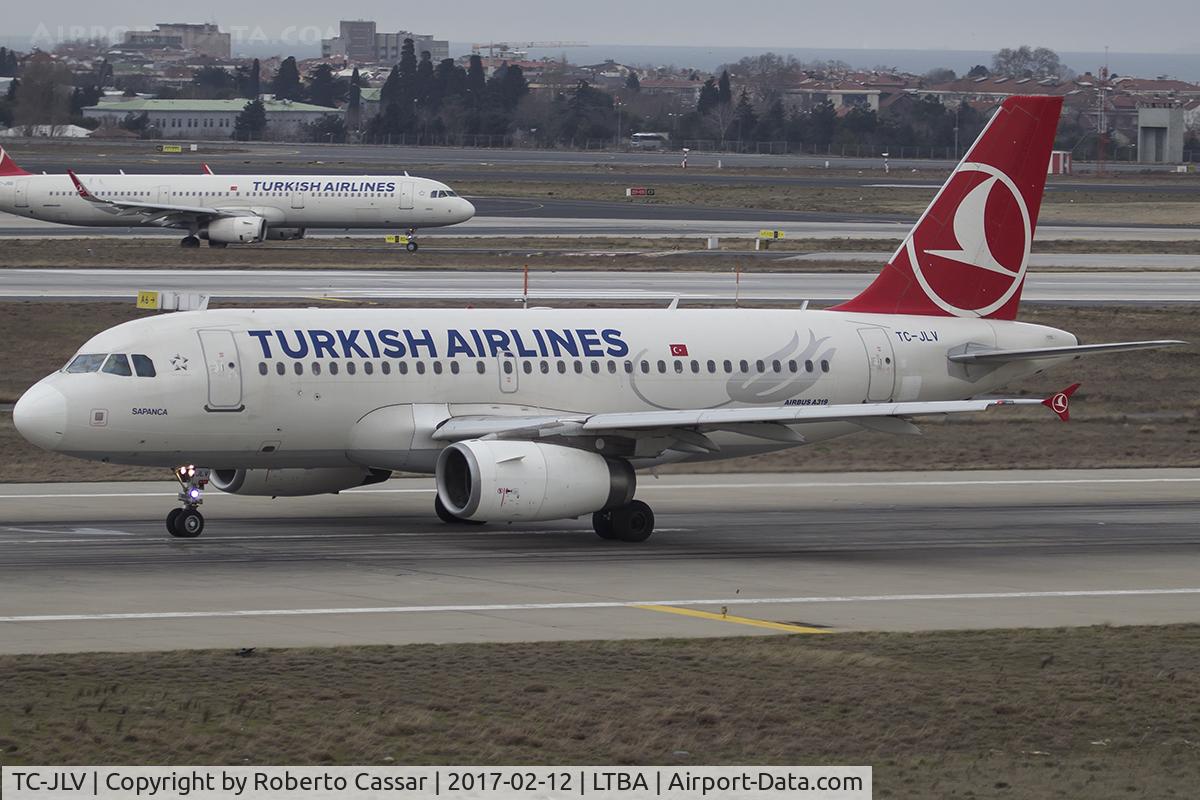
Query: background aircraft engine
[(285, 233), (237, 230), (294, 482), (505, 481)]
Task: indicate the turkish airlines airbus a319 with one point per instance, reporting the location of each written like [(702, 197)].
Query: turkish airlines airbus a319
[(544, 414), (233, 209)]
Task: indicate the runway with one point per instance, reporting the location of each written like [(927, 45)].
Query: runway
[(1093, 286), (89, 567)]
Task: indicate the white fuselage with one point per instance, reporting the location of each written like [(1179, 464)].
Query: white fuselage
[(289, 387), (284, 201)]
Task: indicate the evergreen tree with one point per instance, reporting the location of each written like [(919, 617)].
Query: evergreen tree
[(408, 72), (424, 85), (390, 93), (323, 88), (709, 97), (632, 83), (254, 85), (745, 117), (724, 92), (354, 102), (286, 85), (475, 78), (251, 123)]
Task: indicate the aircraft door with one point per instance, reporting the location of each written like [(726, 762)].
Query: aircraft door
[(164, 195), (507, 368), (406, 195), (881, 364), (297, 200), (224, 371), (23, 193)]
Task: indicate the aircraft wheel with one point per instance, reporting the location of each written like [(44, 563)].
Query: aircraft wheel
[(214, 243), (602, 524), (450, 519), (633, 522), (172, 518), (411, 247), (189, 524), (190, 241)]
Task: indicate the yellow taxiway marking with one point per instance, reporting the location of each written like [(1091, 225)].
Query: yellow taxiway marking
[(757, 623)]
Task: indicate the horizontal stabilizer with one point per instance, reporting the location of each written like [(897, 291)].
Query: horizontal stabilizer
[(1069, 351)]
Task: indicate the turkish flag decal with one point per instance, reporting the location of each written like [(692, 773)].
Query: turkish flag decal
[(679, 350)]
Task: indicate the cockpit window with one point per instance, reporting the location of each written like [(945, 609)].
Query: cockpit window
[(117, 364), (89, 362), (143, 366), (442, 193)]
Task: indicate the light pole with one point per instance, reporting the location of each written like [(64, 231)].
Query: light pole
[(617, 104)]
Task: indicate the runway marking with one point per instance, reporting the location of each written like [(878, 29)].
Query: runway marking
[(704, 486), (731, 601), (757, 623)]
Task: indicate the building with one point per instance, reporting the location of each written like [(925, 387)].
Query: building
[(359, 42), (209, 119), (1160, 132), (201, 38)]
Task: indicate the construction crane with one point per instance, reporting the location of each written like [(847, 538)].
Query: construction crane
[(517, 49)]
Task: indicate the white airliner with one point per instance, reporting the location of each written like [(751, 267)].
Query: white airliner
[(233, 209), (544, 414)]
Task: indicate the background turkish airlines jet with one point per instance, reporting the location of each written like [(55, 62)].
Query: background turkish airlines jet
[(229, 209), (543, 414)]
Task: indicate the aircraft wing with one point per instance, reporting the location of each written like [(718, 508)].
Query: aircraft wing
[(687, 426), (162, 210), (1070, 351)]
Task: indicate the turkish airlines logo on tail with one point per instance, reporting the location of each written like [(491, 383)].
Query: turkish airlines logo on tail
[(974, 266)]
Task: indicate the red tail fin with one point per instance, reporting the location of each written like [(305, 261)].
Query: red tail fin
[(8, 166), (967, 254)]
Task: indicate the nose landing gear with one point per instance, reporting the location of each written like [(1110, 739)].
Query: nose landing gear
[(188, 522), (412, 241)]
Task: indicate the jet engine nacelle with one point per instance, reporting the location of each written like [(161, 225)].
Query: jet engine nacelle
[(294, 482), (506, 481), (285, 234), (237, 230)]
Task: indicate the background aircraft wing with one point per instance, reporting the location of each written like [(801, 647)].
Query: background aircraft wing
[(1070, 351), (149, 210)]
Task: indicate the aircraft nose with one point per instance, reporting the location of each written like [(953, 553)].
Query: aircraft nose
[(40, 415), (467, 210)]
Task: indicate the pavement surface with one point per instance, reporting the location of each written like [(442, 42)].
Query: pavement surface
[(90, 567), (1095, 286)]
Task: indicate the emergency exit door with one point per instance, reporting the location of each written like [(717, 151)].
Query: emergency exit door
[(406, 194), (224, 370), (881, 364), (23, 193)]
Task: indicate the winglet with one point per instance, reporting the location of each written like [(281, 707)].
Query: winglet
[(8, 166), (1060, 402), (79, 187), (207, 169)]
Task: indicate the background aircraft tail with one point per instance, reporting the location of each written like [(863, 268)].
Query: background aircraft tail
[(967, 254), (8, 166)]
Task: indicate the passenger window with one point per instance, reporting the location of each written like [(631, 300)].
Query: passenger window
[(662, 367), (402, 366), (595, 367), (759, 366), (368, 367), (808, 366), (262, 368), (612, 367), (824, 366), (728, 365), (678, 367), (437, 367), (545, 367), (480, 367), (629, 367), (420, 367), (507, 368), (712, 366), (351, 368), (333, 368), (316, 368), (562, 368), (792, 365), (695, 366), (776, 366), (645, 367), (143, 366), (527, 366), (744, 366), (279, 368), (578, 367), (298, 368), (117, 364), (454, 367), (386, 368)]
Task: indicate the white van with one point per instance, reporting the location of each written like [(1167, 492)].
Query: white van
[(649, 141)]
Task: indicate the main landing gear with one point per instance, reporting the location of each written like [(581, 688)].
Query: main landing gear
[(191, 240), (188, 522), (633, 522)]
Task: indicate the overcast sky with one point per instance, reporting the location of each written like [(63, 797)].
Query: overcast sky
[(1165, 26)]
